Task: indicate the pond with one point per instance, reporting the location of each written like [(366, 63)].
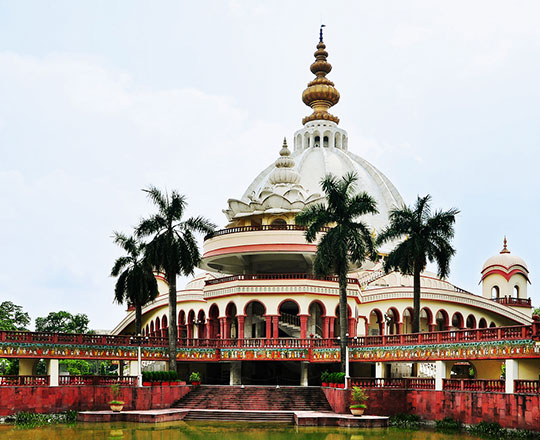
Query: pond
[(212, 431)]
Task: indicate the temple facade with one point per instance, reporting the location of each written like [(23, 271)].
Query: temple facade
[(258, 280)]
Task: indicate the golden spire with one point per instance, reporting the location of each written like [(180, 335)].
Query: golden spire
[(505, 249), (320, 94)]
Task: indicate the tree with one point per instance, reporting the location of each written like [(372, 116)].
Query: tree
[(63, 322), (12, 317), (347, 243), (136, 284), (425, 237), (173, 248)]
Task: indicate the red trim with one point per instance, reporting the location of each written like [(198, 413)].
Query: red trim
[(278, 247), (506, 275)]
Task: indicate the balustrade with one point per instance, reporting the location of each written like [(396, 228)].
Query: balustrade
[(7, 381), (527, 386), (277, 276), (486, 385), (259, 228), (401, 382)]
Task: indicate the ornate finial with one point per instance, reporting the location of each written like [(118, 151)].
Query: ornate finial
[(284, 172), (505, 249), (320, 94)]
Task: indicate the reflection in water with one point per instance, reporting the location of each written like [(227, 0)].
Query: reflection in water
[(212, 431)]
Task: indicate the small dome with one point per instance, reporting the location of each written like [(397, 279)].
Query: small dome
[(506, 262)]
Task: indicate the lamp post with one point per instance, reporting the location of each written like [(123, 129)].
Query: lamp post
[(346, 359), (138, 340)]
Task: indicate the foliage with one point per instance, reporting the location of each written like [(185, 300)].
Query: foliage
[(115, 390), (30, 420), (448, 424), (348, 242), (358, 395), (9, 367), (324, 376), (536, 311), (494, 430), (195, 376), (136, 284), (12, 317), (423, 237), (160, 376), (63, 322), (173, 247), (503, 370), (405, 421)]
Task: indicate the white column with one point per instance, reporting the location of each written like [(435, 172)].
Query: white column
[(379, 370), (53, 370), (332, 140), (512, 373), (440, 374), (236, 373), (133, 368), (304, 369)]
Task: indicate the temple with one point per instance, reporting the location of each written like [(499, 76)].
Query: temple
[(258, 294)]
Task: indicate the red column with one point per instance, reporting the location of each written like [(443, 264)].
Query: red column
[(366, 323), (331, 327), (325, 332), (381, 328), (222, 327), (268, 326), (400, 327), (275, 320), (208, 332), (190, 330), (303, 326), (227, 324), (241, 326), (432, 327)]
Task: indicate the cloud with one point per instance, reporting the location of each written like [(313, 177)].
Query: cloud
[(79, 141)]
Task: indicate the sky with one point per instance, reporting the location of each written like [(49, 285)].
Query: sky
[(100, 99)]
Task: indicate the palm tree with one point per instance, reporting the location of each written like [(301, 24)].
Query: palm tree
[(426, 237), (136, 284), (173, 248), (348, 242)]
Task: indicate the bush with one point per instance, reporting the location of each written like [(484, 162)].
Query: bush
[(405, 421), (324, 376), (195, 377), (448, 424), (359, 395), (494, 430), (30, 420)]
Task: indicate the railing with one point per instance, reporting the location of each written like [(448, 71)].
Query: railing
[(7, 381), (288, 318), (402, 382), (258, 228), (277, 276), (446, 337), (512, 301), (97, 380), (259, 343), (527, 386), (486, 385)]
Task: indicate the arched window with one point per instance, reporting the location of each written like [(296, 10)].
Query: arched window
[(471, 321), (325, 141), (279, 222), (495, 292), (317, 142), (482, 323), (516, 291)]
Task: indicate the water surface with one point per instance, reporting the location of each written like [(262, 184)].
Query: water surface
[(213, 431)]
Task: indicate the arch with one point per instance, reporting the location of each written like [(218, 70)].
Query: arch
[(182, 318), (231, 321), (375, 323), (317, 319), (152, 328), (458, 321), (147, 332), (471, 321), (164, 326), (515, 291), (337, 141), (426, 319), (442, 320), (298, 144), (158, 326), (306, 143), (463, 370), (495, 292), (288, 302), (393, 326), (213, 322), (492, 324), (279, 222), (482, 323), (201, 327), (254, 321), (407, 320), (190, 325)]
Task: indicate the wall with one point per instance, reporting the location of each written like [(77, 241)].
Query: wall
[(509, 410), (86, 398)]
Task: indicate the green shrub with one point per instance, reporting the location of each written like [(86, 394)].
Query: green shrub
[(448, 424), (324, 376), (173, 376), (494, 430), (405, 421), (358, 395), (195, 376), (340, 377), (30, 420)]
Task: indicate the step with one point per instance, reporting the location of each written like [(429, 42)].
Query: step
[(247, 416)]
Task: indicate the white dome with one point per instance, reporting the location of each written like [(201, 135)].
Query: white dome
[(312, 164), (506, 260)]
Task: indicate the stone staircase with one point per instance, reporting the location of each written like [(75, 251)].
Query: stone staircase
[(251, 403)]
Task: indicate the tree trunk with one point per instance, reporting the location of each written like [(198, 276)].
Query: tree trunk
[(173, 331), (343, 316), (416, 301), (138, 319)]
